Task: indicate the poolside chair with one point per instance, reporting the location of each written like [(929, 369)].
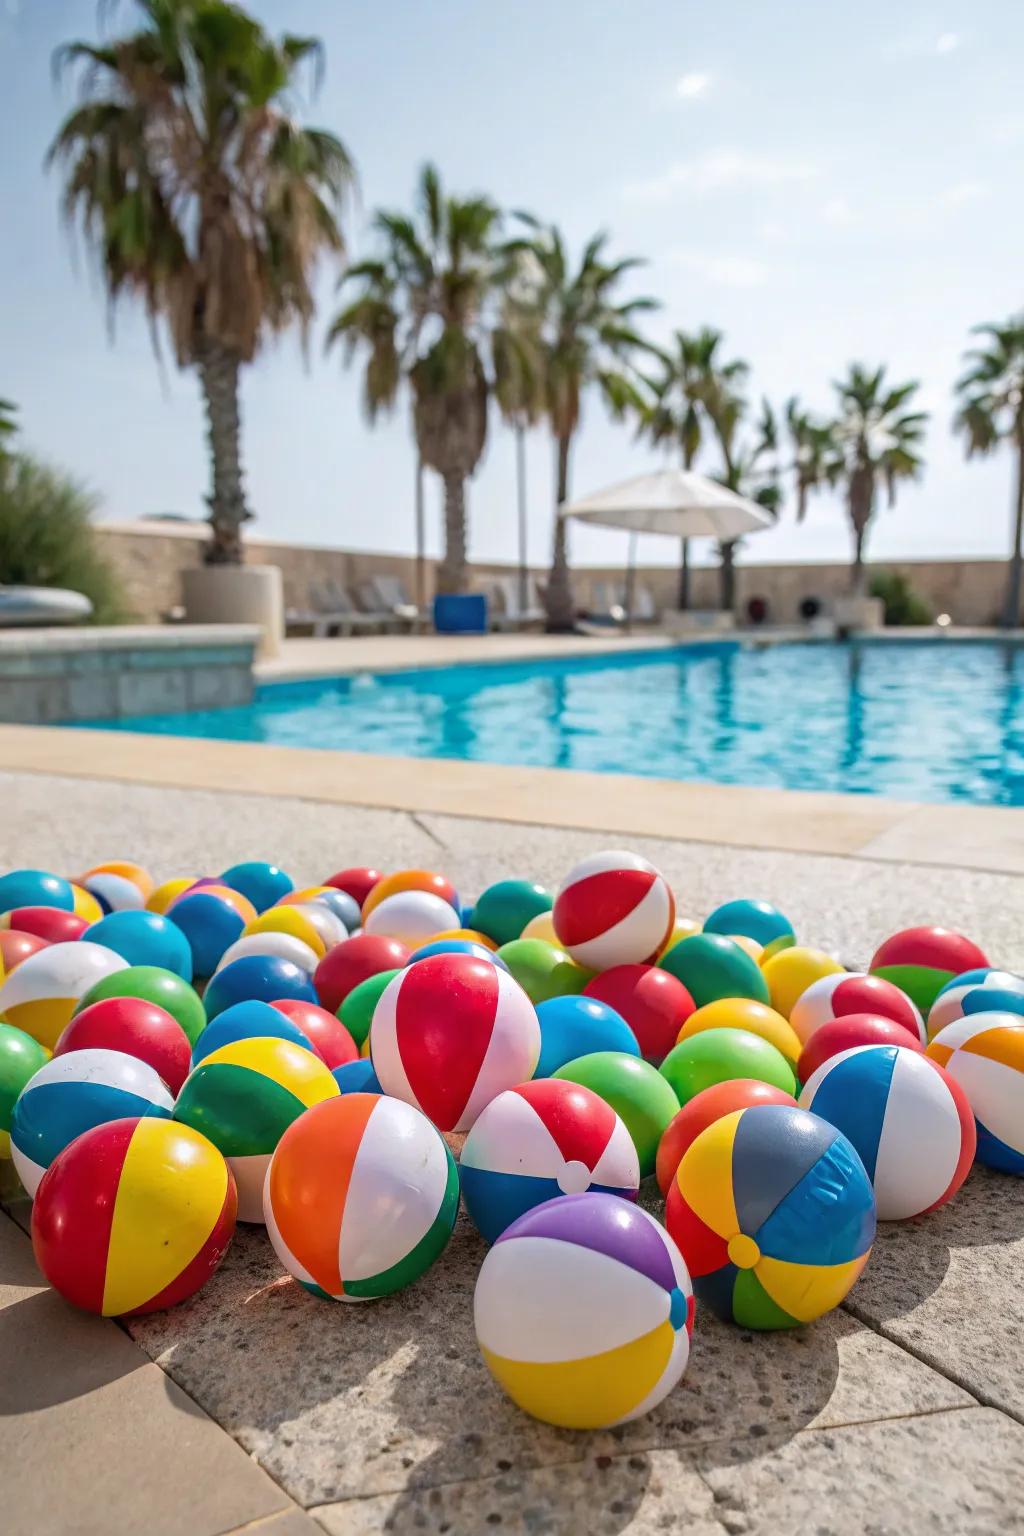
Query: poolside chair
[(506, 610), (606, 606), (387, 594), (332, 610)]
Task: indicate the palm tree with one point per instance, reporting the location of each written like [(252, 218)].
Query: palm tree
[(749, 467), (203, 198), (423, 316), (991, 412), (586, 338), (518, 390), (8, 426), (815, 458), (693, 377), (877, 442)]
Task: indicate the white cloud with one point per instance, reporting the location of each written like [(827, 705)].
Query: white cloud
[(692, 86), (837, 212), (728, 271), (961, 192), (721, 170), (947, 42)]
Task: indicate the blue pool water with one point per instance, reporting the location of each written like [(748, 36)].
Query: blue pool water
[(923, 720)]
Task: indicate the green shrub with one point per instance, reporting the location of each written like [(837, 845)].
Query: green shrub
[(903, 605), (46, 537)]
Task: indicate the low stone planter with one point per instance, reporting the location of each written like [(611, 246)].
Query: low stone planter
[(858, 613), (237, 594), (51, 676)]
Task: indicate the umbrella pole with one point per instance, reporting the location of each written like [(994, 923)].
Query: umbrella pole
[(630, 583)]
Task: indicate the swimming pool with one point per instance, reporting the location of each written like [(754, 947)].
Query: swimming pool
[(922, 720)]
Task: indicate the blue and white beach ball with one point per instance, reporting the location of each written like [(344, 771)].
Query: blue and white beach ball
[(979, 991)]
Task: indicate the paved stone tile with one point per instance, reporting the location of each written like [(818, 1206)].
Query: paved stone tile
[(95, 1440), (949, 1288), (338, 1401), (290, 1522)]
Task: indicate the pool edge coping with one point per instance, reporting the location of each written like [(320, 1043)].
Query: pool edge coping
[(980, 838)]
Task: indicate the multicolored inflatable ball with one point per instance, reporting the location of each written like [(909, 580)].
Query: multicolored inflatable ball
[(451, 1033), (703, 1110), (133, 1216), (757, 920), (844, 992), (358, 958), (260, 883), (119, 885), (412, 917), (921, 961), (144, 938), (538, 1141), (505, 909), (16, 947), (577, 1026), (71, 1094), (710, 966), (744, 1013), (984, 1054), (774, 1215), (135, 1027), (35, 888), (361, 1197), (716, 1055), (910, 1123), (243, 1097), (583, 1312), (259, 978), (653, 1003), (279, 946), (844, 1033), (613, 908), (457, 947), (250, 1020), (402, 881), (979, 991), (21, 1058), (41, 995), (789, 973), (636, 1091), (543, 970), (154, 985)]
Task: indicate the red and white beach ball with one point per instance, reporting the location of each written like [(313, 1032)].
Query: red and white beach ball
[(614, 908), (854, 992), (910, 1122), (449, 1034)]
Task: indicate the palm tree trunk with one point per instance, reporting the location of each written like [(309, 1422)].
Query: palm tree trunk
[(558, 595), (727, 552), (684, 575), (421, 539), (1011, 610), (451, 573), (218, 376), (857, 573), (524, 570)]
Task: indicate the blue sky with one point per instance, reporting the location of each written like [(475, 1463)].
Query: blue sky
[(823, 182)]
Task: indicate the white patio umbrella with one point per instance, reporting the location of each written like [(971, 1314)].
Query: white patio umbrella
[(675, 502)]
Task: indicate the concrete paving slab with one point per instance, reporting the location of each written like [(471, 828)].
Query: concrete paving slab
[(95, 1440), (949, 1288)]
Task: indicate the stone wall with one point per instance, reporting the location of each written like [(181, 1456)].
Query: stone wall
[(150, 557)]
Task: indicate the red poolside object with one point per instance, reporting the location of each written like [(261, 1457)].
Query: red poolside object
[(325, 1031), (653, 1003), (850, 1030), (136, 1027), (50, 923)]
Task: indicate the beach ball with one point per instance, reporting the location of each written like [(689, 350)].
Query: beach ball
[(243, 1097), (844, 992), (135, 1027), (541, 927), (790, 972), (456, 947), (653, 1003), (979, 991), (259, 882), (357, 882), (40, 996), (412, 917), (325, 1033), (984, 1054), (361, 1197), (540, 1140), (86, 905), (774, 1215), (250, 1020), (613, 908), (843, 1034), (16, 947), (449, 1034), (910, 1122), (160, 898), (21, 1057), (319, 915), (133, 1216), (356, 1012), (358, 958), (921, 961), (296, 923), (472, 935), (119, 885), (682, 928), (35, 888), (710, 966), (261, 978), (703, 1110), (144, 938), (757, 920), (583, 1311), (357, 1077), (165, 989), (403, 881), (505, 908), (50, 923), (577, 1026), (71, 1094), (543, 970), (210, 921), (281, 946), (636, 1091), (716, 1055), (744, 1013), (340, 905)]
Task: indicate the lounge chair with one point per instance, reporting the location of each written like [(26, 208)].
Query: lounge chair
[(332, 610), (387, 594), (606, 606), (507, 612)]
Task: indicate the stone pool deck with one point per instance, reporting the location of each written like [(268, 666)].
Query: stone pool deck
[(254, 1407)]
